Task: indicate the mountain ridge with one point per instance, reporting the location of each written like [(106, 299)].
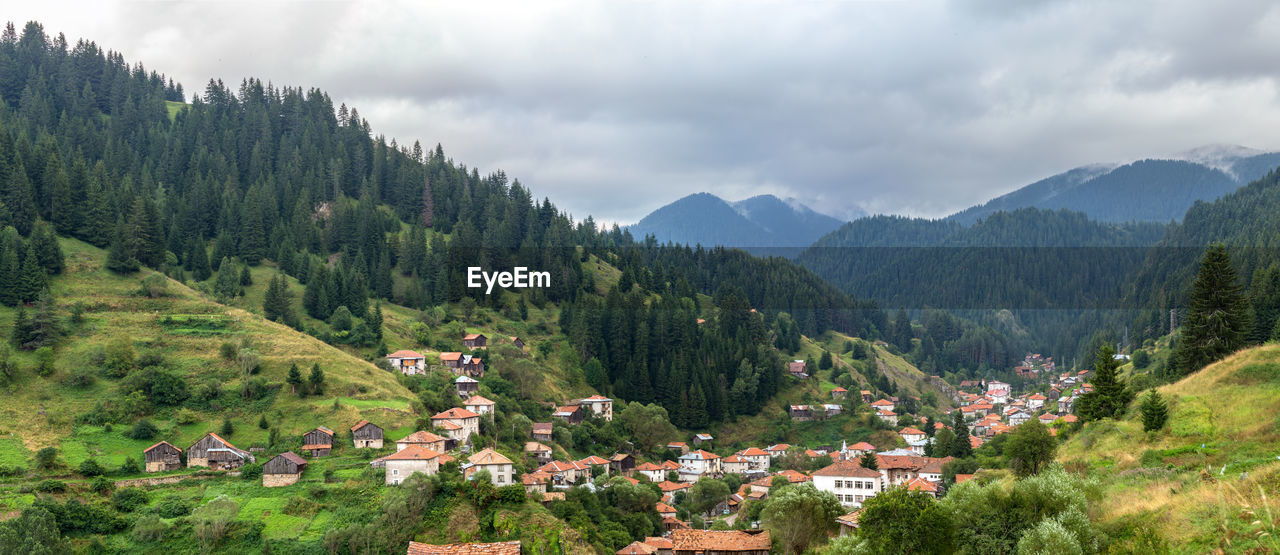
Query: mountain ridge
[(752, 223)]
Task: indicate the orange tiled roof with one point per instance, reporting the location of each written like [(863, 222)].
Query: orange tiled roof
[(412, 453), (708, 541), (455, 413), (499, 548)]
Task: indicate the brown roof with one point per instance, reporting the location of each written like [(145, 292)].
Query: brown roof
[(500, 548), (472, 335), (664, 508), (636, 548), (534, 478), (159, 444), (920, 484), (658, 543), (646, 467), (477, 400), (412, 453), (863, 446), (295, 459), (794, 476), (672, 486), (962, 478), (450, 356), (845, 469), (405, 354), (535, 447), (488, 456), (720, 540), (311, 446), (421, 437), (594, 460), (541, 427), (360, 424), (455, 413), (850, 519)]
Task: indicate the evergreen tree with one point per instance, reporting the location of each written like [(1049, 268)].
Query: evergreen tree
[(197, 260), (120, 257), (227, 427), (316, 379), (902, 333), (23, 329), (246, 278), (10, 268), (824, 363), (20, 201), (1218, 320), (96, 227), (375, 322), (962, 445), (227, 285), (295, 380), (45, 242), (275, 303), (1110, 395), (31, 276), (869, 461), (1154, 411)]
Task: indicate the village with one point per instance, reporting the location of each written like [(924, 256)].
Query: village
[(853, 473)]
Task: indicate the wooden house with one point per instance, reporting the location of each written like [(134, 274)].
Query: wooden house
[(318, 442), (162, 456), (283, 470), (214, 452), (622, 463), (472, 366), (366, 435), (475, 341), (542, 431), (801, 413), (519, 343), (451, 360), (466, 386), (571, 414)]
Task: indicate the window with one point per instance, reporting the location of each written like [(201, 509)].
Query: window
[(395, 472), (860, 498), (839, 484)]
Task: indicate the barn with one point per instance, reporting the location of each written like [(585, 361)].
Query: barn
[(162, 456), (214, 452), (283, 470), (318, 442), (366, 435)]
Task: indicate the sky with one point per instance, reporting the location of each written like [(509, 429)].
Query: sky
[(616, 108)]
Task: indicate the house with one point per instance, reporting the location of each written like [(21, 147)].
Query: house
[(794, 477), (637, 548), (778, 450), (680, 446), (569, 414), (839, 393), (866, 395), (699, 439), (735, 464), (757, 459), (921, 484), (887, 416), (601, 406), (662, 545), (283, 470), (499, 548), (849, 482), (655, 473), (994, 386), (422, 439), (1047, 418), (665, 510), (538, 451), (901, 466), (857, 450), (1036, 401), (475, 341), (797, 368), (498, 465), (408, 362), (718, 542), (535, 481), (478, 405), (519, 343), (542, 431), (702, 462), (593, 462), (564, 472), (883, 404), (849, 522), (414, 459), (671, 524), (457, 423), (466, 386), (216, 453), (622, 463), (451, 360), (800, 413), (162, 457), (318, 442), (910, 434), (1018, 417), (366, 435)]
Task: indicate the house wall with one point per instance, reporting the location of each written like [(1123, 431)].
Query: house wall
[(848, 496), (161, 466), (368, 443), (399, 471), (278, 480)]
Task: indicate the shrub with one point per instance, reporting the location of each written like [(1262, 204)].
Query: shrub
[(51, 486), (128, 499), (142, 429), (185, 416), (91, 468), (130, 466), (173, 506), (149, 528), (80, 378), (44, 362), (301, 507), (228, 351), (101, 485), (251, 471), (46, 458)]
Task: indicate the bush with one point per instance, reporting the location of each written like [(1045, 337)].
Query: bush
[(91, 468), (173, 506), (51, 486), (228, 351), (142, 429), (149, 528), (186, 416), (101, 485), (46, 458), (80, 378), (251, 471), (128, 499), (130, 466)]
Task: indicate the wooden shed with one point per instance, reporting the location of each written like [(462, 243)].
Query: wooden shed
[(318, 442), (214, 452), (475, 341), (162, 456), (283, 470), (366, 435)]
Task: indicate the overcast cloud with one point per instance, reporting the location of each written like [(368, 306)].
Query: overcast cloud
[(614, 109)]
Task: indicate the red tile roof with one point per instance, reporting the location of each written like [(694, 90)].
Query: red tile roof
[(455, 413), (753, 452), (477, 400), (488, 457), (637, 548), (847, 469), (708, 541), (450, 356), (405, 354), (499, 548), (421, 437), (412, 453)]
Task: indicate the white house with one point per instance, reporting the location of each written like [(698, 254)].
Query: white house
[(499, 467), (478, 405), (736, 464), (883, 404), (701, 462), (849, 482), (778, 450), (1036, 402), (408, 362), (457, 423), (410, 460), (910, 434), (994, 386), (655, 473), (757, 458), (1018, 417), (600, 406)]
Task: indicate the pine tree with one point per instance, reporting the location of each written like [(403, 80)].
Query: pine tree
[(227, 285), (45, 243), (23, 329), (1218, 319), (1110, 395), (20, 201), (1154, 411), (428, 204), (869, 461), (120, 257), (227, 427), (197, 260), (274, 303), (375, 322), (961, 446), (10, 268), (295, 380), (96, 228), (824, 362), (902, 333), (316, 379), (31, 276), (63, 207)]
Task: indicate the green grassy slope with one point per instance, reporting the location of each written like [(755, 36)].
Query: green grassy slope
[(1208, 479)]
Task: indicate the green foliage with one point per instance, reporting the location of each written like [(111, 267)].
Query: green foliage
[(705, 494), (227, 428), (1154, 411), (1218, 320), (1111, 395), (46, 458), (90, 468), (51, 486), (996, 514), (797, 516), (149, 528), (34, 531), (128, 499), (1030, 448), (649, 425), (900, 521), (315, 379), (1141, 359), (824, 362), (211, 521)]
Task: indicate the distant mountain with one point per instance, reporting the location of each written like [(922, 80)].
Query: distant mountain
[(1157, 190), (760, 222)]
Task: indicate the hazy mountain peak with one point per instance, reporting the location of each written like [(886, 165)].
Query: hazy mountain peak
[(758, 221)]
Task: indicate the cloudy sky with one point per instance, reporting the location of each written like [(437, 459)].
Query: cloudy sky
[(616, 108)]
